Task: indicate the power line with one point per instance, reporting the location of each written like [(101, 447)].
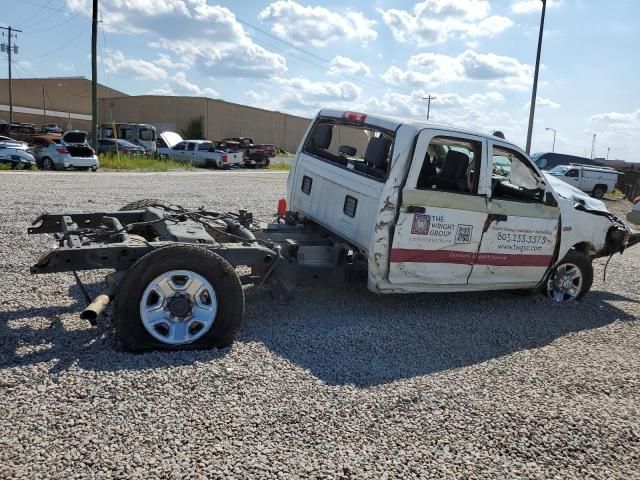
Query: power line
[(64, 44), (31, 17), (58, 25)]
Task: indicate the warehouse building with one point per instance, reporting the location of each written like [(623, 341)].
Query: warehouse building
[(67, 102)]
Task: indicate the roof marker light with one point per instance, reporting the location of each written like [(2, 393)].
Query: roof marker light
[(354, 117)]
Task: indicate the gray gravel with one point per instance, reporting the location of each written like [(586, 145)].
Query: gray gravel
[(338, 384)]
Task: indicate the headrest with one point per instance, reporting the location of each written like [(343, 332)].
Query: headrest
[(322, 136), (455, 164), (377, 152)]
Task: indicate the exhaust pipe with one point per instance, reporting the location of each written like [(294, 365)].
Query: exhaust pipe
[(95, 308)]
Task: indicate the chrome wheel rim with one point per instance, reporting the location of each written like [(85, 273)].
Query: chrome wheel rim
[(565, 283), (178, 307)]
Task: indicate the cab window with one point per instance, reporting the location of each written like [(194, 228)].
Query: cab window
[(572, 173), (191, 147), (450, 165), (179, 146), (513, 178), (361, 149)]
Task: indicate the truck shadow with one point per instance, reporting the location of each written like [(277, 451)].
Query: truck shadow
[(356, 337), (341, 336)]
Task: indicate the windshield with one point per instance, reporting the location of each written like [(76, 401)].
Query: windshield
[(559, 170)]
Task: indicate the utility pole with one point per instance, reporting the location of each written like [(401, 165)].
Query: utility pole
[(593, 145), (10, 52), (94, 75), (535, 79), (44, 107), (608, 150), (428, 99)]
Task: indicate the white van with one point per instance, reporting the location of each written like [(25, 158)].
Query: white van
[(594, 180)]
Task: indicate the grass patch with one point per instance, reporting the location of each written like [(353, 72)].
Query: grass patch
[(131, 162), (281, 166), (9, 166)]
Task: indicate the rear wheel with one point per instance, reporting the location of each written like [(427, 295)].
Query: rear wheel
[(176, 298), (571, 279), (598, 191), (47, 164)]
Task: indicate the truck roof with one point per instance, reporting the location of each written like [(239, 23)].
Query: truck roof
[(392, 123)]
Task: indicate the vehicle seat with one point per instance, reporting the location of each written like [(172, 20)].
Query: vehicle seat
[(453, 175), (427, 171), (376, 157), (320, 142)]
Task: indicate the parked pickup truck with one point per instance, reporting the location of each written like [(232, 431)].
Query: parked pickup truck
[(420, 209), (254, 154), (203, 153), (594, 180)]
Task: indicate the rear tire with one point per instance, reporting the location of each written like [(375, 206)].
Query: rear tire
[(47, 164), (598, 191), (571, 279), (134, 324)]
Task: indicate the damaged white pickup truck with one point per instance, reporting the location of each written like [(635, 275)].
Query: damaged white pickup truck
[(413, 207)]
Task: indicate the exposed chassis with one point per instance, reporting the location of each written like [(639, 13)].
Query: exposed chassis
[(281, 255)]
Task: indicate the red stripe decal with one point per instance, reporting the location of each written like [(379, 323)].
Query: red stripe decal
[(399, 255)]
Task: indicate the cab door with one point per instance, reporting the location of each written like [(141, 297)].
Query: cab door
[(519, 239), (442, 214)]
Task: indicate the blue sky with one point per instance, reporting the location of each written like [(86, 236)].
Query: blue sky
[(475, 56)]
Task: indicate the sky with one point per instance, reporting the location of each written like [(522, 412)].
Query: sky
[(475, 56)]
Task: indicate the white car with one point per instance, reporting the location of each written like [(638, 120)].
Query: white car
[(71, 150), (15, 155)]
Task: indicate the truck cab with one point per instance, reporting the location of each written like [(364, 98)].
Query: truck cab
[(435, 208)]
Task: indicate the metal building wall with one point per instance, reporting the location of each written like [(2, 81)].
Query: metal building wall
[(220, 119)]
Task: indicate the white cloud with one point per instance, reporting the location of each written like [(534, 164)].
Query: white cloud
[(139, 69), (208, 37), (179, 85), (543, 103), (436, 21), (317, 26), (531, 6), (432, 69), (629, 120), (344, 65)]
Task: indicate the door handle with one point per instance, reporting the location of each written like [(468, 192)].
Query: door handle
[(415, 209), (497, 217)]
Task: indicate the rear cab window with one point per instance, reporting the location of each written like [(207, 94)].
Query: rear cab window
[(357, 148)]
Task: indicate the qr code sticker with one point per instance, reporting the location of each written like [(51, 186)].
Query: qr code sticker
[(463, 235)]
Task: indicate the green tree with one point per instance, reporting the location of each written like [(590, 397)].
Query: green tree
[(194, 130)]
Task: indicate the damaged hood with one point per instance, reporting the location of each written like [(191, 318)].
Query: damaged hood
[(571, 193)]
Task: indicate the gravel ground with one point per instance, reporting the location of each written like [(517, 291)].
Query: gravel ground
[(337, 384)]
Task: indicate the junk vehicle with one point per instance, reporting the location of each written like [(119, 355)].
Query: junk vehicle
[(137, 133), (254, 154), (594, 180), (165, 141), (117, 145), (70, 150), (203, 153), (420, 210), (549, 160), (14, 153)]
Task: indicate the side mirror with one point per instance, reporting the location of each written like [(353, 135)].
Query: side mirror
[(549, 199)]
